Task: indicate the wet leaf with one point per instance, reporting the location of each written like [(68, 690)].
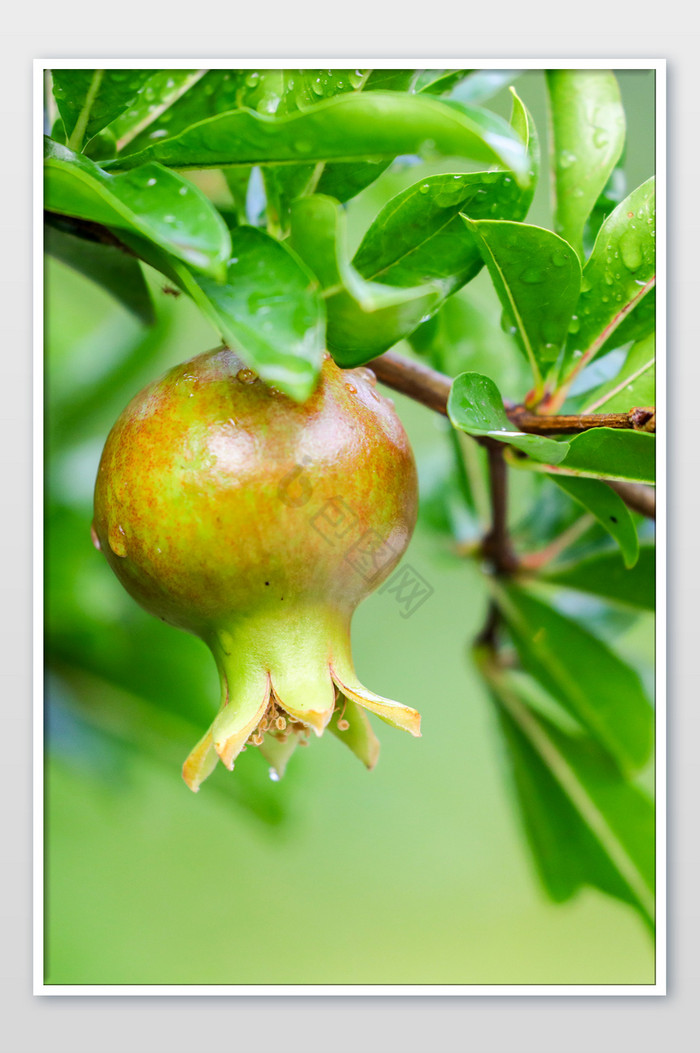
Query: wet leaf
[(586, 824), (364, 318), (475, 406), (88, 99), (634, 385), (582, 674), (605, 574), (353, 126), (107, 266), (618, 276), (608, 508), (537, 277), (612, 453), (149, 201), (588, 124)]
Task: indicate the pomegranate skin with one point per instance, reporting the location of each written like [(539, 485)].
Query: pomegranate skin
[(259, 524)]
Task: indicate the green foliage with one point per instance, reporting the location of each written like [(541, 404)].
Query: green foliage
[(298, 210)]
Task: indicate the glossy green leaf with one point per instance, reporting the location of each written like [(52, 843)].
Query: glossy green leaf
[(163, 89), (608, 508), (537, 277), (612, 453), (149, 201), (475, 406), (269, 309), (88, 99), (605, 574), (107, 266), (209, 93), (347, 127), (588, 124), (585, 823), (419, 235), (634, 385), (618, 276), (364, 318), (582, 674)]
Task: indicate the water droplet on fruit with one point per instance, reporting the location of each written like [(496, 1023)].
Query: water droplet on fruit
[(117, 541), (246, 376), (351, 388)]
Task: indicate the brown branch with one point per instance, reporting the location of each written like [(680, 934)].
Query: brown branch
[(87, 230), (636, 496), (432, 389)]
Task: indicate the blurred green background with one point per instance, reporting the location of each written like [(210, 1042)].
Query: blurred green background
[(417, 873)]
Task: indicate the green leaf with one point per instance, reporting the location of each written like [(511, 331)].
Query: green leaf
[(149, 201), (582, 674), (481, 84), (585, 823), (537, 277), (634, 385), (608, 508), (588, 124), (269, 309), (605, 574), (618, 276), (419, 235), (107, 266), (347, 127), (161, 91), (88, 99), (206, 94), (364, 318), (612, 453), (475, 406)]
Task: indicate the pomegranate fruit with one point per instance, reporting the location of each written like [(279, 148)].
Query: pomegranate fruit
[(259, 524)]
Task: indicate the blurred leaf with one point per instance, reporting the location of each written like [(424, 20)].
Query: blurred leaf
[(88, 99), (475, 406), (364, 318), (537, 277), (612, 453), (608, 508), (634, 385), (605, 574), (611, 195), (585, 823), (481, 84), (164, 736), (356, 125), (150, 201), (107, 266), (617, 277), (582, 674), (588, 124)]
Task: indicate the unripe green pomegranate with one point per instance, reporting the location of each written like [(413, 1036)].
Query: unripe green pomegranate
[(259, 524)]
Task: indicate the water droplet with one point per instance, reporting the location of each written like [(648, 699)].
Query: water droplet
[(567, 159), (246, 376), (303, 146), (252, 78), (574, 324), (351, 388), (150, 182), (95, 539), (559, 258), (586, 285), (631, 251), (532, 276), (609, 280), (117, 541), (182, 191), (424, 188), (274, 775), (578, 353), (600, 138), (158, 133)]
